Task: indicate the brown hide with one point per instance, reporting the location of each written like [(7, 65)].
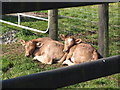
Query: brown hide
[(31, 45), (48, 50), (78, 51), (83, 53)]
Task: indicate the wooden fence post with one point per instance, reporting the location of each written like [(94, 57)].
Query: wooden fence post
[(103, 37), (53, 23)]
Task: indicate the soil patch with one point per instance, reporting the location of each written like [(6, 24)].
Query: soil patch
[(14, 48)]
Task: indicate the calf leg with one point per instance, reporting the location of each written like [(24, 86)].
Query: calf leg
[(48, 60), (43, 59), (68, 59), (69, 55), (68, 62), (95, 55), (39, 58), (63, 58), (37, 52)]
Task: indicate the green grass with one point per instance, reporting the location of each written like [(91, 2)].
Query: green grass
[(104, 82), (15, 64)]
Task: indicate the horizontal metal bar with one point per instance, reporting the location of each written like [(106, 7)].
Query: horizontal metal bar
[(32, 16), (59, 1), (24, 27), (67, 75), (18, 7)]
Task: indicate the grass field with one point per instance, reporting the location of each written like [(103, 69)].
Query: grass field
[(84, 24)]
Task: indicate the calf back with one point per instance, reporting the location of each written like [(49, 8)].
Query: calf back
[(53, 49), (84, 52)]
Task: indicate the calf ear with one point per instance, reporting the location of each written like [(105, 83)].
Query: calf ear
[(39, 44), (78, 41), (22, 42), (62, 37)]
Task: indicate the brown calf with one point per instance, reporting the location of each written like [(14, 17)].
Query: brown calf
[(31, 45), (78, 51), (48, 50)]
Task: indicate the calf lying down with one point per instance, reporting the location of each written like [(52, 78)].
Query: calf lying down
[(73, 52), (78, 51), (44, 50)]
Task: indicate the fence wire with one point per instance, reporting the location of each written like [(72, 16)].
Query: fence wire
[(82, 22)]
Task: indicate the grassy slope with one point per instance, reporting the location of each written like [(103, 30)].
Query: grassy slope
[(14, 63)]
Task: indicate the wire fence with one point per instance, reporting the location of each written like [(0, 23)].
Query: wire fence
[(82, 22)]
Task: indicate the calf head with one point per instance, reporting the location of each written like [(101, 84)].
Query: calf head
[(69, 42), (30, 46)]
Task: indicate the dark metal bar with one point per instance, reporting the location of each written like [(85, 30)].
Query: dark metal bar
[(67, 75), (16, 7)]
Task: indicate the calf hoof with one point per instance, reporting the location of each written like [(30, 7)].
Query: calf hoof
[(65, 62), (68, 62), (34, 59)]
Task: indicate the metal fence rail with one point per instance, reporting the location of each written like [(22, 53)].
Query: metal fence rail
[(25, 27), (67, 75)]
